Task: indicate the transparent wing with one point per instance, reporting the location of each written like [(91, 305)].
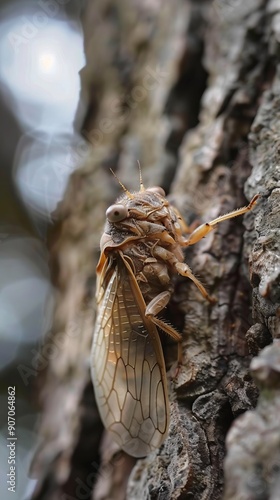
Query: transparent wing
[(127, 365)]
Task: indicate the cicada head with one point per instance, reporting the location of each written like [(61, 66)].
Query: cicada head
[(124, 217)]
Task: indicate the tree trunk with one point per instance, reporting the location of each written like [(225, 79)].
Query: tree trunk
[(191, 90)]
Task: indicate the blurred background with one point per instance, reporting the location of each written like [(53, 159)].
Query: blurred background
[(41, 54)]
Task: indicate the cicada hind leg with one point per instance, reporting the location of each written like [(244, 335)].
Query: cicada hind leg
[(154, 307)]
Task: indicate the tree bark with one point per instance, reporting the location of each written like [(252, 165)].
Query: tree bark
[(191, 90)]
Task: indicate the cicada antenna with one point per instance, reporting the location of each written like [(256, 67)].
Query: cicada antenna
[(130, 195), (142, 188)]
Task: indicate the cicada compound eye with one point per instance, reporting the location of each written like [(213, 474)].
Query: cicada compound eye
[(116, 213), (157, 189)]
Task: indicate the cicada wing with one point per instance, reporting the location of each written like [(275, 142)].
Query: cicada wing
[(128, 366)]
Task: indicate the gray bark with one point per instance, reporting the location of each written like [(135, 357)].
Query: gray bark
[(191, 89)]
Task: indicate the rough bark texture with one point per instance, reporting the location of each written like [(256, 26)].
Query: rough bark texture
[(191, 89)]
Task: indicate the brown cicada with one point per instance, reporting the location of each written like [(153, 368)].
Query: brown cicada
[(141, 249)]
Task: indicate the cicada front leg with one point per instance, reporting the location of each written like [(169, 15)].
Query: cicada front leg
[(207, 227), (195, 236)]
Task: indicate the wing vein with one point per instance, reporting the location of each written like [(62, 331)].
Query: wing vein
[(127, 364)]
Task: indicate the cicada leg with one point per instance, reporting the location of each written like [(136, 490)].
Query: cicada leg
[(153, 308), (181, 268), (207, 227)]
